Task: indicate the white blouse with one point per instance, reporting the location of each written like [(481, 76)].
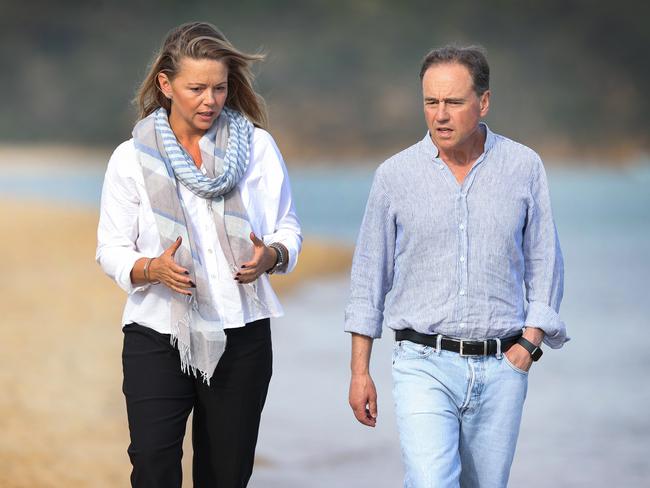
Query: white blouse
[(127, 232)]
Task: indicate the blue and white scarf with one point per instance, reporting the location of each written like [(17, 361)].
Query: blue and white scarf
[(225, 151)]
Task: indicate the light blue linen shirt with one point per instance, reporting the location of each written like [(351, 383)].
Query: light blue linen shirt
[(478, 260)]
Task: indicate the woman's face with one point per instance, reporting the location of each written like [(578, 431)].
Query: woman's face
[(198, 93)]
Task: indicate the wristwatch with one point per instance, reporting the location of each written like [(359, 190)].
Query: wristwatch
[(534, 351), (282, 257)]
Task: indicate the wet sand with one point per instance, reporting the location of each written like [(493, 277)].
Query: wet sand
[(62, 413)]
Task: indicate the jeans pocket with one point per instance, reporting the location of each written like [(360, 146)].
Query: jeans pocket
[(405, 350), (513, 367), (395, 351)]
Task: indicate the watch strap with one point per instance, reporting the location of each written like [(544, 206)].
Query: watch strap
[(534, 351)]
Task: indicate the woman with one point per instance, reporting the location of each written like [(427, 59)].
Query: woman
[(196, 211)]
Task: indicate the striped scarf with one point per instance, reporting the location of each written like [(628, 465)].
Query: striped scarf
[(225, 151)]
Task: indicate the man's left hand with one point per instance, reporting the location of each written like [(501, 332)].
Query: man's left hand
[(519, 357)]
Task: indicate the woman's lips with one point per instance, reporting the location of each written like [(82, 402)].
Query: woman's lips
[(206, 115)]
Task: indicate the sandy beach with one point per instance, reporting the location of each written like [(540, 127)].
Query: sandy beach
[(62, 413)]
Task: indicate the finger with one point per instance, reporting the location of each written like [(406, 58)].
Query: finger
[(174, 275), (372, 407), (360, 414), (178, 269), (180, 290), (174, 247), (246, 279), (248, 272), (248, 275), (256, 241), (182, 284), (370, 419), (249, 264), (178, 280)]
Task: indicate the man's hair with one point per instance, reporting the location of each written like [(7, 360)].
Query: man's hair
[(472, 57)]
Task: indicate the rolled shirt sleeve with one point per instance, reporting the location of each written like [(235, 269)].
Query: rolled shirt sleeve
[(286, 229), (544, 266), (372, 265), (118, 225)]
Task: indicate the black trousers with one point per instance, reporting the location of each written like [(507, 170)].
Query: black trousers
[(159, 398)]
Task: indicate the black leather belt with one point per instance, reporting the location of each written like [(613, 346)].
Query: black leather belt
[(463, 347)]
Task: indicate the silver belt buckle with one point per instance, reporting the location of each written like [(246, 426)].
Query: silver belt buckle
[(462, 352)]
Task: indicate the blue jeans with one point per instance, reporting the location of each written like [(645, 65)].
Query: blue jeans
[(458, 417)]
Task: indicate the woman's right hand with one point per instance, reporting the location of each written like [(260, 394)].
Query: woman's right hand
[(164, 269)]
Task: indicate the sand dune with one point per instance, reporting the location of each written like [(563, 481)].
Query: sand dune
[(62, 413)]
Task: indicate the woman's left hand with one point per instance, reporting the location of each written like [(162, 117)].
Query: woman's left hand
[(264, 258)]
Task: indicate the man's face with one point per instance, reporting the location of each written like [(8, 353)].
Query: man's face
[(452, 108)]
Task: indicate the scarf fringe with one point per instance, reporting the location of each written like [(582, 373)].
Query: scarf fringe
[(184, 350)]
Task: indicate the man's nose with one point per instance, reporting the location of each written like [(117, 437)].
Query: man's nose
[(441, 113)]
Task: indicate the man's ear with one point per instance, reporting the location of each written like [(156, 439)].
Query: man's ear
[(485, 103)]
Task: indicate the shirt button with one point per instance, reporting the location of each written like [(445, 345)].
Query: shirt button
[(462, 292), (210, 251), (462, 259), (461, 226), (462, 324)]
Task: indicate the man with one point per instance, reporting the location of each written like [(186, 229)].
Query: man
[(453, 228)]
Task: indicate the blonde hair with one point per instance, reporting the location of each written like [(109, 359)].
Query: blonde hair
[(200, 40)]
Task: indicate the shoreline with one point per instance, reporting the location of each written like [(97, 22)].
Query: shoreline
[(72, 156)]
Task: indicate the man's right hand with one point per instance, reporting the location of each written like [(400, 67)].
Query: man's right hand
[(164, 269), (363, 399)]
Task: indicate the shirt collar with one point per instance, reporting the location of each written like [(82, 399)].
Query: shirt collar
[(490, 138), (432, 150), (429, 147)]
